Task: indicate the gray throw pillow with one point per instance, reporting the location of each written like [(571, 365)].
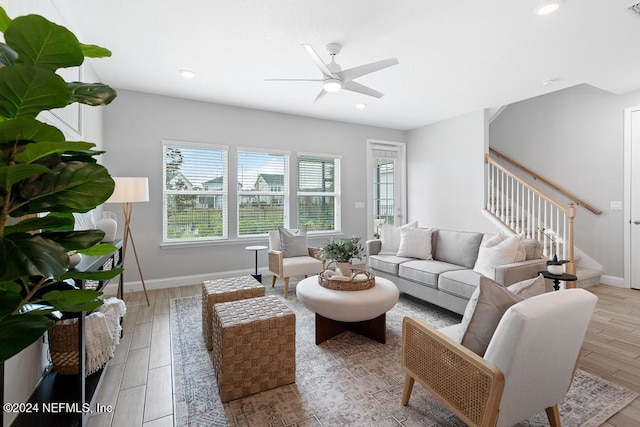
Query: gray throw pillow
[(293, 242), (485, 309)]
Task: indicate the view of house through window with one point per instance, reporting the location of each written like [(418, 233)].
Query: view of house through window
[(263, 192), (383, 192), (194, 191), (318, 192)]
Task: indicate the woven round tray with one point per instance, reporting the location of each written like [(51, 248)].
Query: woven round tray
[(358, 281)]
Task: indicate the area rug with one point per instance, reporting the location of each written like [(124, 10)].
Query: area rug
[(348, 380)]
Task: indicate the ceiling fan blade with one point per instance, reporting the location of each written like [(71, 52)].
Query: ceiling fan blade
[(293, 80), (357, 87), (318, 61), (320, 95), (355, 72)]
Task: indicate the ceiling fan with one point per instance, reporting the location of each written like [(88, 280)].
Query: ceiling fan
[(334, 78)]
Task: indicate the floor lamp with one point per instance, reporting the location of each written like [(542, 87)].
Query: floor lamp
[(130, 190)]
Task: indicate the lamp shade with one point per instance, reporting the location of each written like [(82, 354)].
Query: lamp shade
[(130, 189)]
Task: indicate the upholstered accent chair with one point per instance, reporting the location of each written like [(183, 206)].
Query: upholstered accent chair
[(528, 365), (286, 267)]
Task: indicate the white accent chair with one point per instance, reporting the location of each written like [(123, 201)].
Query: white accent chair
[(290, 267), (528, 366)]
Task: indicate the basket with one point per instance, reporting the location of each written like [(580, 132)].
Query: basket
[(359, 281), (63, 346)]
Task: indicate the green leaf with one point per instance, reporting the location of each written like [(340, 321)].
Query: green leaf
[(74, 187), (14, 130), (73, 300), (37, 151), (12, 287), (98, 250), (48, 223), (9, 175), (25, 91), (9, 302), (93, 51), (7, 55), (4, 20), (75, 240), (91, 93), (42, 43), (19, 332), (91, 275), (31, 256)]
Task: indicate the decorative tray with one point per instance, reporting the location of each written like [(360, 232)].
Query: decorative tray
[(358, 280)]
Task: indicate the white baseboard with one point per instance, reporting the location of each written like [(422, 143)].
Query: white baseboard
[(171, 282), (616, 281)]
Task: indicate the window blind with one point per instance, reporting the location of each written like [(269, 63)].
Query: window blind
[(318, 193)]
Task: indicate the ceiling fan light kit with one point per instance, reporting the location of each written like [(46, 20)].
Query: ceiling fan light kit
[(334, 78), (547, 7)]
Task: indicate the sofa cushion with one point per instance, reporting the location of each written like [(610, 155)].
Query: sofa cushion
[(387, 263), (461, 283), (497, 251), (415, 243), (293, 243), (425, 271), (458, 247), (533, 249), (484, 311), (390, 237), (530, 288)]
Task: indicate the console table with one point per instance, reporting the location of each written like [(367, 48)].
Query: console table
[(68, 398)]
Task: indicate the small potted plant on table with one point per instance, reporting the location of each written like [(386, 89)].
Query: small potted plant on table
[(342, 252)]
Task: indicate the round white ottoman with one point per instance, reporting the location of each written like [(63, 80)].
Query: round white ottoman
[(363, 312)]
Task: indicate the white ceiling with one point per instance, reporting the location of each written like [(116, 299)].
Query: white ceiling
[(456, 56)]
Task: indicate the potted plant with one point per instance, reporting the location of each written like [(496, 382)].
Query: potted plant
[(554, 265), (342, 252), (44, 179)]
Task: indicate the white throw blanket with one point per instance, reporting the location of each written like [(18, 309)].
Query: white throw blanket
[(102, 333)]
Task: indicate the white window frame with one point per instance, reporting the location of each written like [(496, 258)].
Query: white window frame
[(224, 192), (285, 191), (336, 194)]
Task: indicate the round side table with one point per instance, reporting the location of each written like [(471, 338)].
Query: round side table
[(256, 249), (557, 278)]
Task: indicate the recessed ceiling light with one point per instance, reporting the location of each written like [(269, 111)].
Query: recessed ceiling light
[(548, 82), (361, 106), (187, 74), (547, 7)]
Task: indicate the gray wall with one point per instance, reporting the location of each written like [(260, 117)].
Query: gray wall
[(445, 174), (574, 137), (135, 125)]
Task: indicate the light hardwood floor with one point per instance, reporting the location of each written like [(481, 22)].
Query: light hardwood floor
[(138, 382)]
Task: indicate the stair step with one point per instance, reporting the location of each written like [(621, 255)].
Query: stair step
[(588, 277)]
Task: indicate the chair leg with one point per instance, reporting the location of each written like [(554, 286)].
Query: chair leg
[(408, 387), (273, 281), (286, 286), (553, 414)]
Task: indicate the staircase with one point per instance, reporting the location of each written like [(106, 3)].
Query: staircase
[(516, 206)]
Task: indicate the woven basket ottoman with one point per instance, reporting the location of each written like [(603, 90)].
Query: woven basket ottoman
[(223, 290), (254, 346)]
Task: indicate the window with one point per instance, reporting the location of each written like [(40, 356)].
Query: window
[(263, 192), (319, 192), (194, 191)]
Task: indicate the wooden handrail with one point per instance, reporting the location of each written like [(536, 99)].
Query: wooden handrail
[(556, 187)]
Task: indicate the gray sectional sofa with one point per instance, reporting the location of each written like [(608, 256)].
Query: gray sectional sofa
[(448, 280)]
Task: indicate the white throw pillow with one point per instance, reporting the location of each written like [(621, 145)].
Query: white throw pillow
[(390, 237), (521, 255), (293, 242), (530, 287), (491, 255), (415, 243)]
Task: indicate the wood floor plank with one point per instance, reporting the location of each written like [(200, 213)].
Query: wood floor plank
[(141, 335), (160, 324), (136, 368), (130, 407), (159, 394), (161, 422), (160, 354)]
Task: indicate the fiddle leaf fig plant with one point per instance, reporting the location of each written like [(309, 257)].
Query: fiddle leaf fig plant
[(44, 179)]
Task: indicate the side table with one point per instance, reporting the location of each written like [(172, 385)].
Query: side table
[(256, 249), (557, 278)]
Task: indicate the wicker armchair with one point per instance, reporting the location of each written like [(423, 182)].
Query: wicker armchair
[(528, 366), (290, 267)]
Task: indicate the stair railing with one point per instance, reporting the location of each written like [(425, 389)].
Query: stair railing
[(526, 210)]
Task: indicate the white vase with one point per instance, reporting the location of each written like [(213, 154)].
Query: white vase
[(74, 259), (557, 269), (345, 268), (109, 225)]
